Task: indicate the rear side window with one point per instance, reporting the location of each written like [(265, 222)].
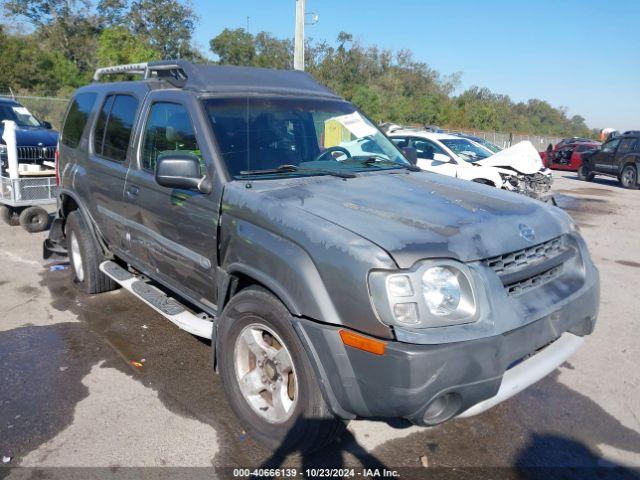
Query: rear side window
[(77, 117), (627, 145), (113, 128)]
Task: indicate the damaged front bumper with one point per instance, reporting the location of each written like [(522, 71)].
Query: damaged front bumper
[(537, 185)]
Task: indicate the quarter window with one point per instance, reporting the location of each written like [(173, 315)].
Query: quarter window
[(113, 128), (77, 117), (169, 129)]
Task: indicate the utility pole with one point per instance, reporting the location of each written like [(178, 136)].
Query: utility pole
[(298, 54)]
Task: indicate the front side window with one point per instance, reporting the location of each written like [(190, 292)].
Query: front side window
[(467, 150), (315, 136), (77, 117), (168, 129), (113, 128), (18, 114), (426, 149), (611, 145)]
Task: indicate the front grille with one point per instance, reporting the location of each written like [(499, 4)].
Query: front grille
[(36, 154), (532, 282), (521, 259)]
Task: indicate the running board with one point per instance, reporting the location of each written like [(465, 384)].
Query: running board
[(158, 300)]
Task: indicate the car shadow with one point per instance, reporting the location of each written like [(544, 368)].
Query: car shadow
[(599, 180), (332, 457), (548, 456)]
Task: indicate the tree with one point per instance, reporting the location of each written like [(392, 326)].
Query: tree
[(167, 25), (234, 47), (118, 45)]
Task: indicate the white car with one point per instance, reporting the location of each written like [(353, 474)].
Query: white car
[(517, 168)]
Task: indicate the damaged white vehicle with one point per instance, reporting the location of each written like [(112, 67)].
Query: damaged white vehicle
[(517, 168)]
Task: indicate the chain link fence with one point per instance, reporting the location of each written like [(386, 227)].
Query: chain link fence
[(504, 140), (53, 110)]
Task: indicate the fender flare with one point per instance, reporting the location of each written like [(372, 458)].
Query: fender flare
[(86, 216)]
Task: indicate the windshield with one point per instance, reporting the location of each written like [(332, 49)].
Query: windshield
[(487, 144), (467, 150), (316, 136), (18, 114)]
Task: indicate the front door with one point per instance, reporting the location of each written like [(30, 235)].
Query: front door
[(173, 231), (602, 160)]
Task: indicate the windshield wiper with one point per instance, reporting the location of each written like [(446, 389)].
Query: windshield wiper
[(294, 168), (373, 160)]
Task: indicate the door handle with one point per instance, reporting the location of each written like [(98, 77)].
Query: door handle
[(133, 190)]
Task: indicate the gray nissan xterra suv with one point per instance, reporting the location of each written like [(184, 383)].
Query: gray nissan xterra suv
[(259, 209)]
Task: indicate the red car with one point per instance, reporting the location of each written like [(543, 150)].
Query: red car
[(568, 156)]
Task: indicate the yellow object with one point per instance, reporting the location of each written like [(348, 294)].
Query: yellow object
[(335, 133)]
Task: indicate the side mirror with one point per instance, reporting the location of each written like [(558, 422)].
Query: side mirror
[(410, 154), (441, 157), (181, 170), (46, 125)]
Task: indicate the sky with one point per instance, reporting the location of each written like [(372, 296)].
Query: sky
[(583, 55)]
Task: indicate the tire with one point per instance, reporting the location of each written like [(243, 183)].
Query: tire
[(308, 425), (34, 219), (629, 177), (584, 173), (85, 257), (483, 182), (10, 215)]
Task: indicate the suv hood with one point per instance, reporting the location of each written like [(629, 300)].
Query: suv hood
[(413, 216), (522, 157), (32, 136)]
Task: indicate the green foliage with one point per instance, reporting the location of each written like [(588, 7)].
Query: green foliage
[(118, 45), (68, 39)]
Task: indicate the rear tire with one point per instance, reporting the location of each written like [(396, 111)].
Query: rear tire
[(308, 424), (34, 219), (10, 215), (585, 173), (629, 177), (85, 257)]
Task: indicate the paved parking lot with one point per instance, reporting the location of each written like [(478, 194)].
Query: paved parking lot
[(69, 395)]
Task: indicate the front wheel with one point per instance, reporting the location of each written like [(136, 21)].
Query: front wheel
[(585, 173), (629, 177), (268, 378)]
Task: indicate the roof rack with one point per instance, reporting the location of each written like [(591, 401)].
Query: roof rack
[(172, 71)]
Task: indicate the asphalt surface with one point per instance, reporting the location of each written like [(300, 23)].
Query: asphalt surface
[(70, 397)]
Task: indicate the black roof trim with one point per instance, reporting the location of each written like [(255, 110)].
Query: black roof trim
[(231, 79)]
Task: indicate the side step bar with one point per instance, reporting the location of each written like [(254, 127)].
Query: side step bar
[(158, 300)]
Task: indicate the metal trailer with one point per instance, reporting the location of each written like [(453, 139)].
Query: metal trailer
[(22, 197)]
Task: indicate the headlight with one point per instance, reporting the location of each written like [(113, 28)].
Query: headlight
[(432, 294), (441, 290)]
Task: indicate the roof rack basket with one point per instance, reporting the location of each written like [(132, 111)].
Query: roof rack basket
[(175, 72)]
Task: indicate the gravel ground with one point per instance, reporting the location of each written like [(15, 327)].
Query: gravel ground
[(69, 396)]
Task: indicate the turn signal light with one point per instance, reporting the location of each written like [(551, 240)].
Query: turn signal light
[(362, 343)]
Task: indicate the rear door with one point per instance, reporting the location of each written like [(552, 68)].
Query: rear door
[(109, 157), (602, 160), (627, 145), (173, 231)]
